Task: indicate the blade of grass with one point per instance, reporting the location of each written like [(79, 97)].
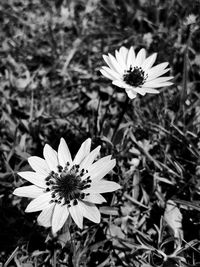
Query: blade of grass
[(11, 257)]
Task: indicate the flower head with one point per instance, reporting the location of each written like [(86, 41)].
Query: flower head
[(134, 72), (63, 187)]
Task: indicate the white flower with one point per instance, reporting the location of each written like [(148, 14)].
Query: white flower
[(135, 73), (62, 186)]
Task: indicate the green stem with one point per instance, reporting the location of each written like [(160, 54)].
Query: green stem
[(105, 114), (124, 109)]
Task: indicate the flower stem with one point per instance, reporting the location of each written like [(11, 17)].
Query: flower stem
[(124, 109), (105, 114)]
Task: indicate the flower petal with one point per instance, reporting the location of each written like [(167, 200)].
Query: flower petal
[(149, 62), (131, 94), (90, 211), (158, 85), (64, 154), (140, 58), (157, 68), (31, 191), (130, 57), (95, 198), (135, 90), (76, 213), (84, 150), (45, 216), (85, 164), (102, 186), (39, 203), (162, 79), (121, 57), (34, 177), (143, 90), (39, 165), (113, 64), (123, 52), (151, 90), (139, 90), (97, 170), (51, 157), (98, 164), (121, 84), (60, 216), (112, 73), (126, 86), (156, 74), (107, 75), (157, 82)]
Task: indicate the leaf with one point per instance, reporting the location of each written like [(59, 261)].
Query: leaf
[(109, 210), (65, 236), (116, 233), (136, 187), (173, 218)]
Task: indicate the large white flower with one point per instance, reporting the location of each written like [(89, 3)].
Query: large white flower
[(62, 186), (134, 72)]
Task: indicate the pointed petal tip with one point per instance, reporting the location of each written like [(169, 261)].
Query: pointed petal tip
[(119, 187), (143, 51), (15, 192), (27, 210), (34, 178), (30, 191), (103, 186), (105, 57), (39, 165), (114, 162), (64, 154), (46, 146), (110, 55), (90, 211)]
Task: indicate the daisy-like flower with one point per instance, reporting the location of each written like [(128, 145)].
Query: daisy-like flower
[(134, 72), (63, 187)]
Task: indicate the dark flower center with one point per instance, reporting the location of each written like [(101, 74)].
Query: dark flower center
[(135, 76), (66, 185)]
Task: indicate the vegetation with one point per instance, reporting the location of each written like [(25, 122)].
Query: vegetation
[(51, 87)]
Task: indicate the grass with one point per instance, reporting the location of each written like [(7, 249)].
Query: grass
[(51, 87)]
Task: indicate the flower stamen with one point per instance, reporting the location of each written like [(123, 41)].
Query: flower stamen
[(66, 186), (135, 76)]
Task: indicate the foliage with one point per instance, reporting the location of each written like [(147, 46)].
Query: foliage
[(51, 87)]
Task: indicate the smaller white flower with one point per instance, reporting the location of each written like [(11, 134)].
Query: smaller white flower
[(63, 187), (134, 72)]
